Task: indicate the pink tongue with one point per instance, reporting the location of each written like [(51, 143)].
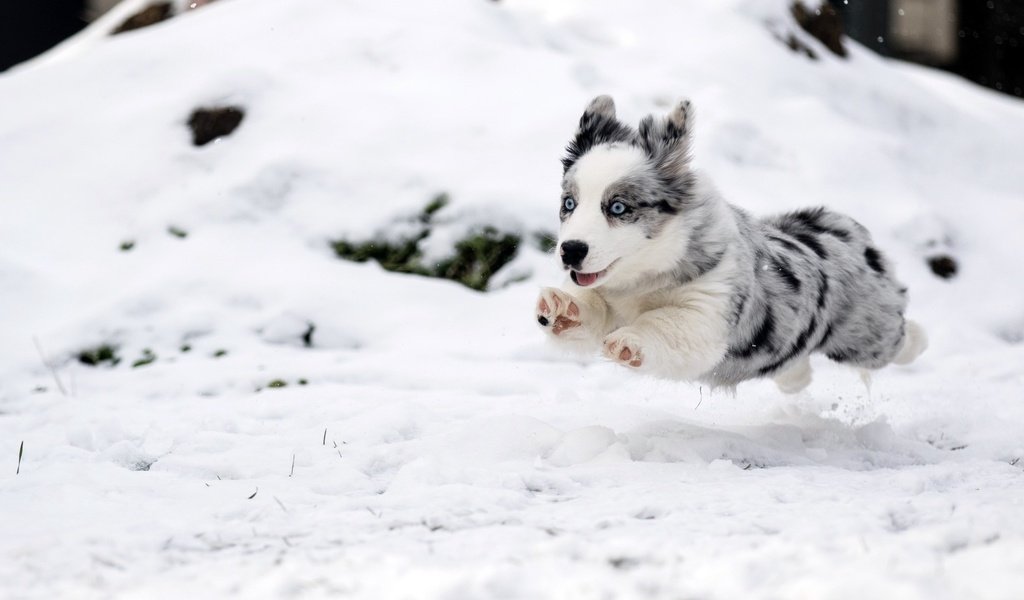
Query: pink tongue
[(585, 279)]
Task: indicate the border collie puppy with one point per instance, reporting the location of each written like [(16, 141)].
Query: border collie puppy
[(667, 278)]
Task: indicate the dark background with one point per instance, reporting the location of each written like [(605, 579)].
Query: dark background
[(989, 48), (28, 27), (989, 39)]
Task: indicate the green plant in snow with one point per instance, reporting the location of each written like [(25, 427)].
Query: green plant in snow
[(477, 257), (147, 358), (94, 357)]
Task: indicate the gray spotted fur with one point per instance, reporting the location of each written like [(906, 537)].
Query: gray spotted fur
[(814, 282)]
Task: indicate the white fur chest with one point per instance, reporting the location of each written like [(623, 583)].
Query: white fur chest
[(625, 308), (708, 296)]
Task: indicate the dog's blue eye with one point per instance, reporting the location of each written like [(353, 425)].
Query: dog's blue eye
[(568, 204), (617, 208)]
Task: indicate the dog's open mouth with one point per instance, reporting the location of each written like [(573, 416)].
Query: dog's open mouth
[(585, 279)]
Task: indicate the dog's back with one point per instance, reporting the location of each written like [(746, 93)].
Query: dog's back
[(817, 283)]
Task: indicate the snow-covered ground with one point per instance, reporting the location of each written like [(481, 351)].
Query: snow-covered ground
[(438, 448)]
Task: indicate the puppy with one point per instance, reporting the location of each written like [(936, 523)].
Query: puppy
[(667, 278)]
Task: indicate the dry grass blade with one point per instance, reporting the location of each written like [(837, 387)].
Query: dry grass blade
[(48, 365)]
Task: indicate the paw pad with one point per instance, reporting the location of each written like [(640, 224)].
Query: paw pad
[(558, 310), (624, 352)]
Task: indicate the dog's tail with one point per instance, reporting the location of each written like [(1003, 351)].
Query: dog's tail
[(915, 340)]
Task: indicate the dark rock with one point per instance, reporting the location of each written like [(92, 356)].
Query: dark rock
[(824, 23), (151, 15), (796, 45), (943, 265), (208, 124)]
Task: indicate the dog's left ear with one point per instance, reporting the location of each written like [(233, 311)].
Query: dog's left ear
[(598, 125), (667, 141), (601, 107)]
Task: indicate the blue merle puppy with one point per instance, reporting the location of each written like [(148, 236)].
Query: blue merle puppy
[(667, 278)]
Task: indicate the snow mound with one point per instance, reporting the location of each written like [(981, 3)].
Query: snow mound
[(263, 419)]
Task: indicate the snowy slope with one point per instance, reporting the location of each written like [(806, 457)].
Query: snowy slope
[(438, 449)]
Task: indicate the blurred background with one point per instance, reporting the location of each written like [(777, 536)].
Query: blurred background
[(982, 40)]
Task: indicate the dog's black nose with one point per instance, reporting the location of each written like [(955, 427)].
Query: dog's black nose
[(573, 252)]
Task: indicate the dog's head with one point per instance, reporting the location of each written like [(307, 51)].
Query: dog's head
[(625, 196)]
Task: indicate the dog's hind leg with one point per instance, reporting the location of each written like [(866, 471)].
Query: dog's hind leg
[(915, 341), (796, 377)]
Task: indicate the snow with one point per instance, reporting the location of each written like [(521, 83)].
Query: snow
[(439, 449)]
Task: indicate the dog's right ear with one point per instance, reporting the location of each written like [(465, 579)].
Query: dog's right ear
[(598, 125), (603, 106)]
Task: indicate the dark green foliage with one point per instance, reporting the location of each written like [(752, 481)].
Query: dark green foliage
[(401, 257), (277, 383), (186, 348), (127, 245), (177, 232), (220, 353), (476, 259), (146, 358), (303, 382), (545, 241), (94, 357), (440, 201)]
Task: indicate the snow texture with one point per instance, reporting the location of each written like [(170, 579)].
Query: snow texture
[(426, 443)]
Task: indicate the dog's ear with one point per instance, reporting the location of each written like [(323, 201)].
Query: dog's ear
[(598, 125), (603, 106), (681, 118), (667, 141)]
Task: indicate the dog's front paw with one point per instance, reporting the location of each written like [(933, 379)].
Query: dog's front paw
[(624, 347), (557, 311)]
